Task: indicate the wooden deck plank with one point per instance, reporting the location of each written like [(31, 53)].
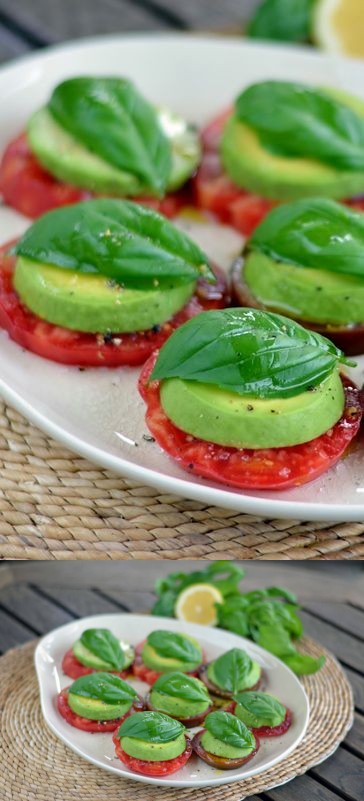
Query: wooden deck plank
[(342, 772), (11, 45), (304, 788), (80, 602), (12, 633), (346, 647), (31, 609), (134, 600), (357, 683), (206, 14), (341, 615), (355, 738)]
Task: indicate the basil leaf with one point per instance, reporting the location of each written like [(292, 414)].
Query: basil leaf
[(118, 238), (264, 709), (232, 615), (229, 729), (231, 668), (248, 351), (105, 645), (174, 646), (282, 20), (303, 664), (268, 630), (103, 687), (112, 119), (315, 233), (308, 123), (152, 727), (178, 685), (281, 592)]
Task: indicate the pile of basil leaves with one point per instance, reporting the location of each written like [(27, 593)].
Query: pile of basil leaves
[(269, 617)]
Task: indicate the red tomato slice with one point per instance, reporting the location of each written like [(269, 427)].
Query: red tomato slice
[(143, 673), (275, 731), (266, 468), (74, 669), (93, 350), (32, 190), (152, 768), (94, 726)]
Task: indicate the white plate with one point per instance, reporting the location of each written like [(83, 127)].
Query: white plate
[(99, 748), (98, 413)]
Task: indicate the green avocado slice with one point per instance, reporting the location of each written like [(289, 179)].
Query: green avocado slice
[(68, 160), (217, 747), (92, 303), (177, 707), (164, 664), (153, 752), (215, 415), (91, 660), (93, 709), (317, 296), (253, 167)]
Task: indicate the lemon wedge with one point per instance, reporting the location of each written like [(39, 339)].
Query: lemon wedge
[(196, 604), (338, 26)]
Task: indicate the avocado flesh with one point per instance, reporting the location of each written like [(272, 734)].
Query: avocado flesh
[(177, 707), (91, 660), (317, 296), (217, 747), (249, 681), (215, 415), (92, 303), (153, 752), (255, 721), (253, 167), (163, 664), (68, 160), (93, 709)]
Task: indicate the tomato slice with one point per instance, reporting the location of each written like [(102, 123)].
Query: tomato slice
[(219, 762), (265, 468), (29, 188), (275, 731), (152, 768), (93, 726), (94, 350), (144, 673), (74, 669)]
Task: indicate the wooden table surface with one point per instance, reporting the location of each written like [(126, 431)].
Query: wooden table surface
[(35, 598)]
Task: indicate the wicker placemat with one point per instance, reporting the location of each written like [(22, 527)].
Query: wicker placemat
[(56, 505), (36, 766)]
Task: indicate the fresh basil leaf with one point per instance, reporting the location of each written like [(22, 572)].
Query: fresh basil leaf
[(105, 645), (164, 606), (178, 685), (280, 592), (232, 615), (223, 574), (303, 664), (262, 709), (298, 120), (174, 646), (103, 687), (112, 119), (127, 242), (289, 619), (152, 727), (248, 351), (267, 629), (231, 668), (282, 20), (316, 233), (229, 729)]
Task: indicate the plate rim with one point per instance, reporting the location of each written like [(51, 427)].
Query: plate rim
[(198, 629)]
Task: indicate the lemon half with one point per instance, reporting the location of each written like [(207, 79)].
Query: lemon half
[(338, 26), (196, 604)]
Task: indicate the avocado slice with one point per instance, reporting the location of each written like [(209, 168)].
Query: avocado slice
[(217, 747), (163, 664), (93, 303), (249, 681), (68, 160), (317, 296), (89, 659), (153, 752), (93, 709), (213, 414), (253, 167), (177, 707)]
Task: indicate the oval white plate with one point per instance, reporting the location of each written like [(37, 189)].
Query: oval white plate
[(99, 748), (98, 413)]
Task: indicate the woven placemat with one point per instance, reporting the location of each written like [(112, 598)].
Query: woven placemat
[(36, 766), (56, 505)]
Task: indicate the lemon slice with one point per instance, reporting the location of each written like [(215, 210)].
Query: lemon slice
[(196, 604), (338, 26)]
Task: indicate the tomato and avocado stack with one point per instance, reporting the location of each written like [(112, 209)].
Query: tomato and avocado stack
[(251, 399), (306, 260), (231, 673), (98, 702), (281, 141), (262, 713), (152, 743), (99, 135), (98, 650), (166, 652), (182, 697), (103, 283), (225, 742)]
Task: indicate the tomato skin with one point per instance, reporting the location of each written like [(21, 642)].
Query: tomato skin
[(143, 673), (266, 468), (92, 726), (74, 669), (163, 768), (90, 350), (32, 190)]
